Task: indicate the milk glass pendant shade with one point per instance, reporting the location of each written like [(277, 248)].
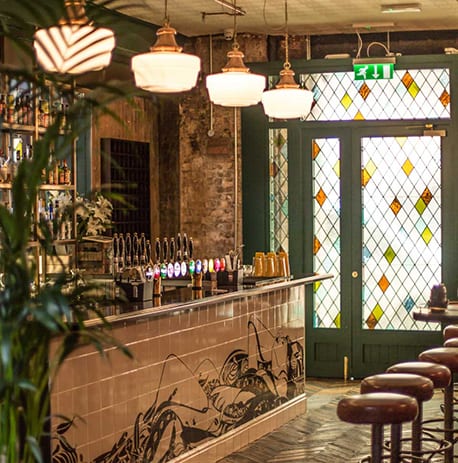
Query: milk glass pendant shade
[(287, 100), (74, 46), (236, 86), (165, 69)]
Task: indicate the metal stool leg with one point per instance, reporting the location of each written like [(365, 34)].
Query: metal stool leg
[(448, 422), (396, 430), (377, 443)]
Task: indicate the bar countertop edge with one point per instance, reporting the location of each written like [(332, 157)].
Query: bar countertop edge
[(141, 314)]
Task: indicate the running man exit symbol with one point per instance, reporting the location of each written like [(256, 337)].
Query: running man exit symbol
[(373, 71)]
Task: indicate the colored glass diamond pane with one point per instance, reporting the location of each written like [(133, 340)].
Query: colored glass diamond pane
[(274, 169), (445, 98), (337, 320), (321, 197), (407, 167), (426, 196), (336, 168), (359, 116), (395, 206), (371, 322), (316, 245), (407, 79), (371, 167), (420, 206), (383, 283), (427, 235), (315, 149), (390, 254), (364, 91), (409, 304), (414, 90), (365, 177), (346, 101)]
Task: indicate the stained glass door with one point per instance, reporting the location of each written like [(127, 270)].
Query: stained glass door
[(376, 227)]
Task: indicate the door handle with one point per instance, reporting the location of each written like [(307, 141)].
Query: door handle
[(354, 274)]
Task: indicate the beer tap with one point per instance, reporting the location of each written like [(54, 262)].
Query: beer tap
[(148, 252), (115, 253), (122, 252), (135, 250), (128, 250), (184, 263), (143, 257)]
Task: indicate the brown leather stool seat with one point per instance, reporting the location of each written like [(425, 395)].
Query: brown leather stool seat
[(379, 409), (450, 331), (451, 342), (447, 356), (419, 387), (440, 375)]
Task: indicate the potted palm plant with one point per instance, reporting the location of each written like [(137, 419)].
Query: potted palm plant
[(33, 313)]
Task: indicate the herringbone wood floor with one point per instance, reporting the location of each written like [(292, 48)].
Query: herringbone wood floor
[(319, 436)]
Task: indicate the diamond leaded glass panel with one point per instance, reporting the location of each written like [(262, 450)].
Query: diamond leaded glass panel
[(411, 94), (401, 224), (278, 172), (326, 225)]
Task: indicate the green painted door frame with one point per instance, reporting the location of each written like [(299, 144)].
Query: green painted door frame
[(368, 351)]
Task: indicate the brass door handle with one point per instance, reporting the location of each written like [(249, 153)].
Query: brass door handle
[(354, 274)]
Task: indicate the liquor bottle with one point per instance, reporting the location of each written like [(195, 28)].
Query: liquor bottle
[(61, 173), (2, 107), (67, 173), (18, 109), (10, 109), (56, 172)]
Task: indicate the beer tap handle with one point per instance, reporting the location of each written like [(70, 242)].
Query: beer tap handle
[(128, 250), (172, 249), (165, 250), (191, 247), (185, 246), (148, 252), (178, 247), (122, 251), (158, 251), (135, 249)]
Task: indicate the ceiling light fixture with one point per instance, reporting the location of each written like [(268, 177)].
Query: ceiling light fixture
[(74, 46), (401, 8), (165, 69), (287, 100), (236, 86), (237, 10)]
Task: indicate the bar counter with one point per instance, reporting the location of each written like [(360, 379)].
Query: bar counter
[(208, 377)]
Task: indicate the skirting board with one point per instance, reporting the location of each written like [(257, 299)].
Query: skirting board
[(237, 438)]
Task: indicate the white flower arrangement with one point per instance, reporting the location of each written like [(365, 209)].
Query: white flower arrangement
[(93, 216)]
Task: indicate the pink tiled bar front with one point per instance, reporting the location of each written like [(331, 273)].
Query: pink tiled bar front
[(206, 378)]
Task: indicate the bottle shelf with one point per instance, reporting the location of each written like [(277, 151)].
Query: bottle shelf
[(52, 187)]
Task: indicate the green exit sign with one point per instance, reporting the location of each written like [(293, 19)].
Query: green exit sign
[(373, 71)]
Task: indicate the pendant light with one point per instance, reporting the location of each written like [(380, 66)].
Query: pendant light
[(74, 46), (165, 69), (236, 86), (287, 100)]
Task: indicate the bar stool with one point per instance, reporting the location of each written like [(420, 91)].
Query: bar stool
[(451, 342), (441, 376), (447, 356), (450, 331), (419, 387), (380, 409)]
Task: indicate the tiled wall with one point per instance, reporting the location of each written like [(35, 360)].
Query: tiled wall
[(196, 374)]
